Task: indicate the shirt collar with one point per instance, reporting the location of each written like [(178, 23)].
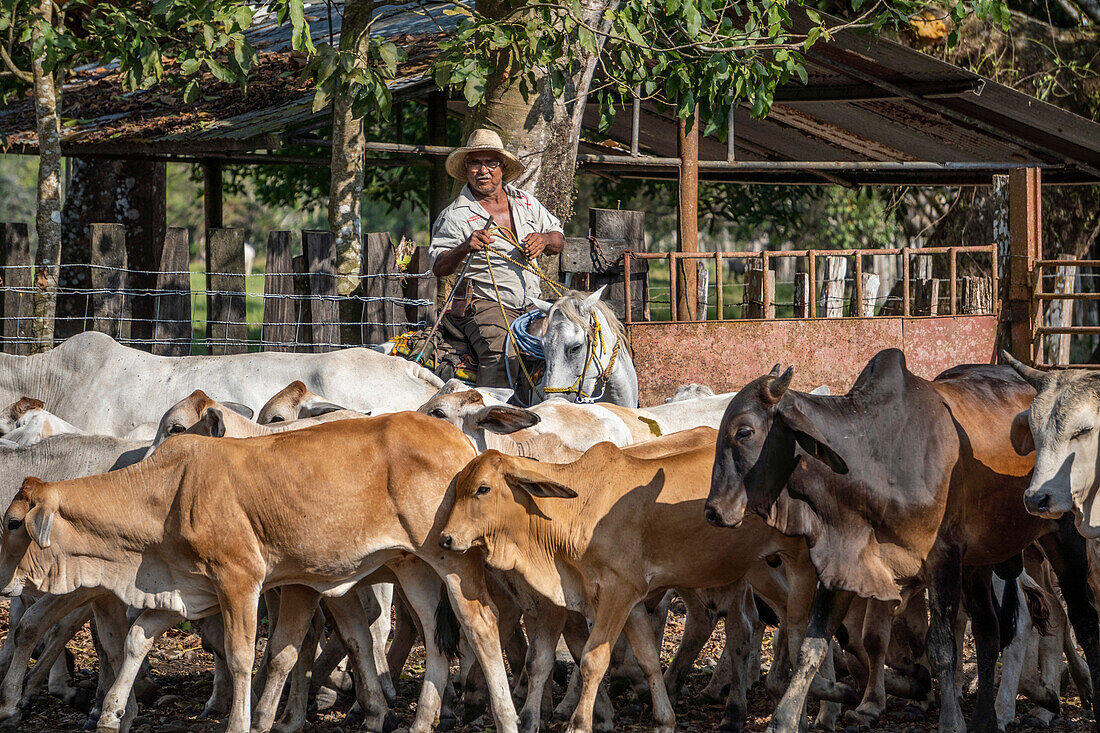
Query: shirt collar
[(466, 198)]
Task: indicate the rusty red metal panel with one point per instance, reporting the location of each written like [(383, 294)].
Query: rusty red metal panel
[(725, 355), (934, 344)]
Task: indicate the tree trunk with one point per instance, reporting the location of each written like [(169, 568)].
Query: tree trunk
[(48, 218), (346, 186), (544, 132)]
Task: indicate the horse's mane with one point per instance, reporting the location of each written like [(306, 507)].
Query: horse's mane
[(569, 306)]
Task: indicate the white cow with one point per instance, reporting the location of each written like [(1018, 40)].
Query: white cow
[(108, 388), (26, 422)]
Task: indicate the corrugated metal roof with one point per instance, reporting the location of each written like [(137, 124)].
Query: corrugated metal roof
[(867, 102)]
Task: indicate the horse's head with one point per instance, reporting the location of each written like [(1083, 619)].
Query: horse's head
[(583, 340)]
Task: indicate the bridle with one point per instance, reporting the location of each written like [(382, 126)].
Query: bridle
[(596, 345)]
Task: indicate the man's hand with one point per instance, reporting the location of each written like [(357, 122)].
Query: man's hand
[(478, 240), (535, 244)]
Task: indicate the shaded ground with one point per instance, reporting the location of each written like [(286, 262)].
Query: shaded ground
[(183, 673)]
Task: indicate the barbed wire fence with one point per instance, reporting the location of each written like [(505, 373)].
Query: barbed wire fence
[(192, 311)]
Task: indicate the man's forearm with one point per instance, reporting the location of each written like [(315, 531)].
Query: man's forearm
[(449, 262), (556, 243)]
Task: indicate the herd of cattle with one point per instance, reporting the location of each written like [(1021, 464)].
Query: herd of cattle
[(869, 527)]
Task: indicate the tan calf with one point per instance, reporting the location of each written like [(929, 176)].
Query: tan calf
[(208, 524), (601, 534)]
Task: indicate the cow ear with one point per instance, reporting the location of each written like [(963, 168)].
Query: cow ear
[(535, 483), (809, 438), (215, 422), (776, 370), (39, 520), (1023, 442), (317, 409), (504, 419), (243, 410), (542, 305)]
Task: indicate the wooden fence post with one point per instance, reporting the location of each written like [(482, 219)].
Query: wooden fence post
[(172, 306), (868, 291), (110, 307), (226, 326), (759, 294), (832, 286), (801, 295), (926, 297), (379, 312), (1025, 229), (977, 295), (17, 271), (629, 227), (1060, 313), (280, 315), (422, 288), (319, 248)]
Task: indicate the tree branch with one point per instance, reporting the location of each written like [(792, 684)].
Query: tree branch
[(23, 76)]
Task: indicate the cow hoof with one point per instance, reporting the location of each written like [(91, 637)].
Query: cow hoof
[(12, 721), (859, 720), (527, 723)]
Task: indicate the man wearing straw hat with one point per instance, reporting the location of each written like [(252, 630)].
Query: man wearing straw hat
[(493, 231)]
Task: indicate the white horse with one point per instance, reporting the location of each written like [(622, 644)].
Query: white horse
[(587, 352)]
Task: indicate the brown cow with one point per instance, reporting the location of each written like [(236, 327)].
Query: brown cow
[(601, 534), (899, 480), (208, 524)]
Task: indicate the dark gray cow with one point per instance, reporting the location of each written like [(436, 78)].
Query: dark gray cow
[(899, 481)]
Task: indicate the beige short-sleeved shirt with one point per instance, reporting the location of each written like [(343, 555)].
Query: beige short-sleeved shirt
[(465, 215)]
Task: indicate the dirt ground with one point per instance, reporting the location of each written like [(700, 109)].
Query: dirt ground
[(182, 671)]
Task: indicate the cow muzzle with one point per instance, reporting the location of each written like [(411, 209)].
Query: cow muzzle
[(1044, 503), (13, 589), (721, 514)]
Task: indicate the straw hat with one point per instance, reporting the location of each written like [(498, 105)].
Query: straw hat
[(483, 139)]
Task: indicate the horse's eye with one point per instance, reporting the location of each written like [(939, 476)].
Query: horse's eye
[(177, 428), (14, 524), (743, 432), (1081, 433), (481, 490)]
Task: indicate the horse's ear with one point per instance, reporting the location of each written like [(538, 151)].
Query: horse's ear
[(589, 303), (542, 305)]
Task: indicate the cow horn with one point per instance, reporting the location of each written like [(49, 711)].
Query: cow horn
[(775, 370), (1034, 377), (779, 386)]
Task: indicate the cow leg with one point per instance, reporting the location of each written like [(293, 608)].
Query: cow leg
[(239, 617), (422, 590), (466, 585), (111, 627), (352, 622), (985, 626), (297, 604), (1012, 665), (212, 633), (406, 630), (576, 636), (875, 638), (545, 629), (382, 594), (944, 590), (639, 632), (698, 625), (1065, 550), (293, 717), (829, 609), (51, 667), (21, 640), (139, 640), (741, 646), (611, 616)]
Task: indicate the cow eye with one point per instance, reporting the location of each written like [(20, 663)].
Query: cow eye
[(743, 432), (438, 413), (481, 490), (177, 428), (14, 524), (277, 418)]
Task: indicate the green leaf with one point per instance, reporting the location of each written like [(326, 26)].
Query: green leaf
[(191, 91), (322, 97), (813, 15), (161, 7), (190, 66), (208, 35), (243, 16), (474, 90), (388, 53), (220, 72), (801, 71)]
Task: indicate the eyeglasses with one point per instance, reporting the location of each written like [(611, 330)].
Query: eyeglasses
[(491, 165)]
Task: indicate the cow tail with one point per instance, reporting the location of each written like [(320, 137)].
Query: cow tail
[(446, 626), (765, 612), (1038, 604), (1009, 613)]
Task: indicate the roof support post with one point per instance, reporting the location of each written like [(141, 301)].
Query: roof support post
[(687, 218), (1025, 246), (212, 194)]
